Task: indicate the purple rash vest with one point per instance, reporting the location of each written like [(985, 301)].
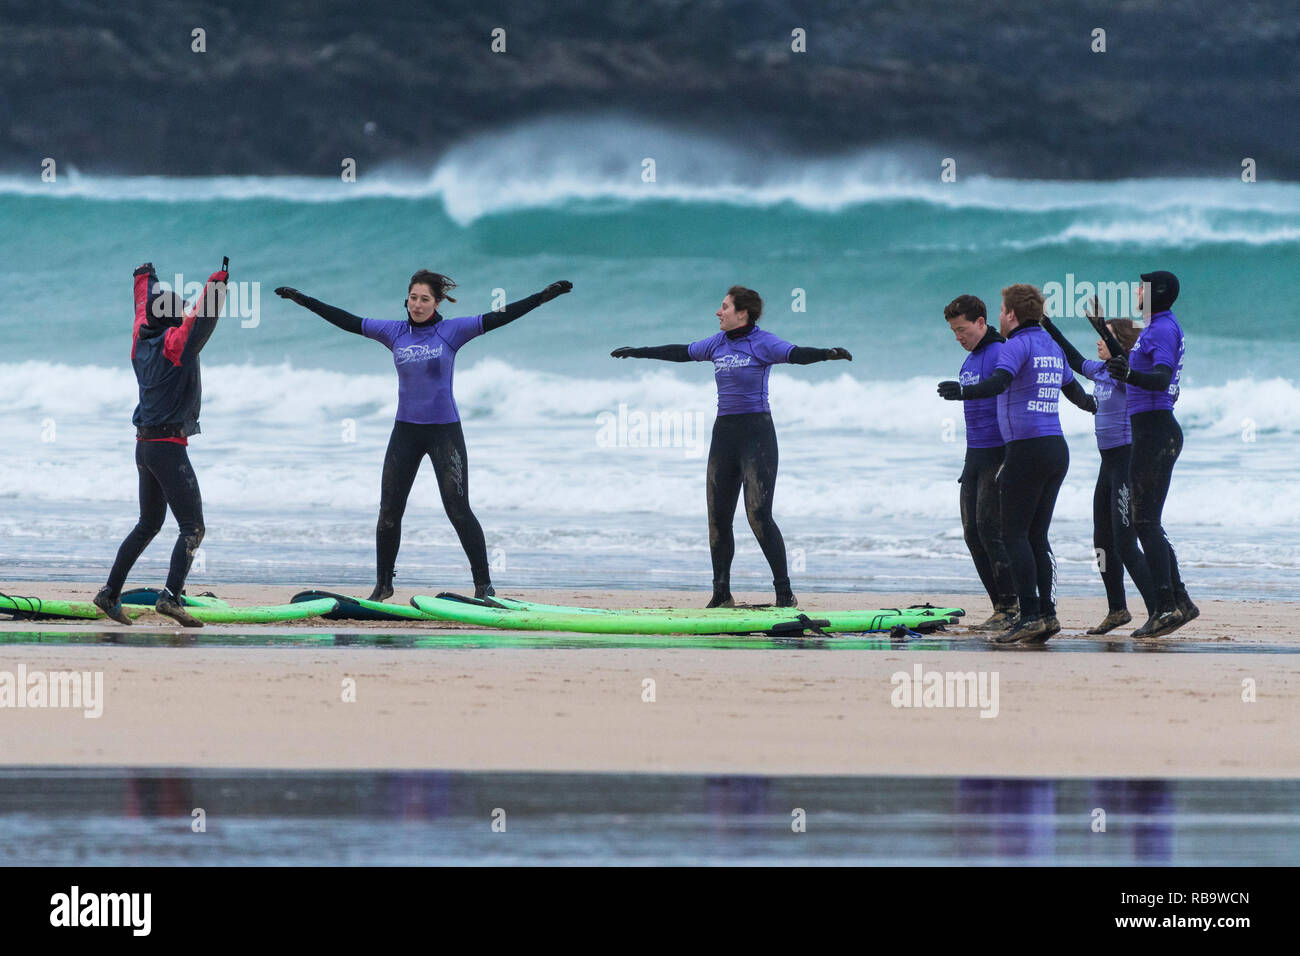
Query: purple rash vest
[(1028, 407), (740, 367), (425, 357)]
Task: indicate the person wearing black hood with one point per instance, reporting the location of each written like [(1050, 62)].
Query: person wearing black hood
[(1152, 371), (743, 450), (424, 348), (166, 340)]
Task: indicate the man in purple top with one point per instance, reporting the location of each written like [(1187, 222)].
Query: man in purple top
[(1114, 537), (743, 451), (981, 515), (1152, 372), (424, 347), (1030, 376)]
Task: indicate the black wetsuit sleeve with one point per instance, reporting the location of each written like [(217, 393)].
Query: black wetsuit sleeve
[(494, 320), (1071, 353), (801, 355), (1156, 380), (995, 384), (1079, 396), (344, 320), (665, 353)]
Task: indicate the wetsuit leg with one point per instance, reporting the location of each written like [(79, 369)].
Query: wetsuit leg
[(401, 464), (1030, 481), (445, 445), (723, 492), (1117, 462), (981, 521), (1054, 463), (170, 464), (153, 512), (759, 457), (1157, 442), (1103, 539)]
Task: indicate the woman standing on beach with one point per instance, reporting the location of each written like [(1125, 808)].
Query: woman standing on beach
[(743, 451), (424, 348)]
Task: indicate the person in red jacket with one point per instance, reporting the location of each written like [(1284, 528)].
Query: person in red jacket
[(166, 339)]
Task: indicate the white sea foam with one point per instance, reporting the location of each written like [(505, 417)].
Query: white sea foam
[(552, 162)]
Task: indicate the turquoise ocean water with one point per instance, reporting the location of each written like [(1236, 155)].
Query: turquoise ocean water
[(589, 471)]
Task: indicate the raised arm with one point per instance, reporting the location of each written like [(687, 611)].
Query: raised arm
[(183, 343), (344, 320), (1071, 353), (494, 320), (665, 353)]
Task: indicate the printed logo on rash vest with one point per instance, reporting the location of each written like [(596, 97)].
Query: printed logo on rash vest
[(724, 363), (416, 353), (969, 378), (1051, 371)]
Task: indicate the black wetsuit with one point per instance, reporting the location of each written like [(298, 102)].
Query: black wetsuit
[(981, 522), (743, 451), (1160, 438), (410, 442)]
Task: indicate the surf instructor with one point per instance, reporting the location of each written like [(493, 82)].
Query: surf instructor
[(166, 339), (424, 347), (743, 451)]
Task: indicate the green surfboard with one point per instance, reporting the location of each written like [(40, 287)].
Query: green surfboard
[(362, 609), (209, 614), (34, 608), (781, 613), (735, 621)]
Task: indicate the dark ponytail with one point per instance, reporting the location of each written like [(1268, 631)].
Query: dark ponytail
[(746, 300), (440, 284)]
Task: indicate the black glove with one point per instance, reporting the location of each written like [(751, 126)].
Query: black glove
[(287, 292), (1092, 405), (1118, 368), (839, 353), (556, 289), (624, 352), (950, 390)]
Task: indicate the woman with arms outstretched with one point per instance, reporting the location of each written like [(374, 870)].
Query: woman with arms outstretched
[(424, 348), (743, 452)]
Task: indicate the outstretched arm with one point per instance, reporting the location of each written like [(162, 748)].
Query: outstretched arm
[(995, 384), (344, 320), (665, 353), (494, 320), (800, 355), (1079, 396)]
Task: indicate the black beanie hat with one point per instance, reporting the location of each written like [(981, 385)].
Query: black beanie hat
[(1164, 290)]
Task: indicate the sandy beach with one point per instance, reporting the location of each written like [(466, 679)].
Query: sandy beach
[(714, 711)]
